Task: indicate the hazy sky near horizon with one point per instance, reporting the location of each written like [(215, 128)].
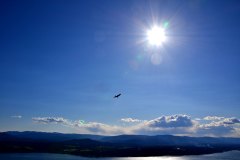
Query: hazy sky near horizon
[(67, 59)]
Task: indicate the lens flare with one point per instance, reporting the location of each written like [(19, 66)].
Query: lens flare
[(165, 25)]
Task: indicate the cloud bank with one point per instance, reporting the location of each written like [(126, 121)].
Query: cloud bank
[(179, 124)]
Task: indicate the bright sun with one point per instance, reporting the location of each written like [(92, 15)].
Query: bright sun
[(156, 36)]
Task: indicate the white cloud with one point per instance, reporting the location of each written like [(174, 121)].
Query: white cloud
[(171, 121), (220, 126), (213, 118), (215, 129), (130, 120), (232, 120), (46, 120), (100, 128), (198, 119), (90, 127), (17, 116)]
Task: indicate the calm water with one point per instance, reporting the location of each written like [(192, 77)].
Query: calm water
[(232, 155)]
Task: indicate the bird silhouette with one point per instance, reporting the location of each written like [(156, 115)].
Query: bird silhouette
[(116, 96)]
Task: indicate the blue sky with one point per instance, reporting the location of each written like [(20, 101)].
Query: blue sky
[(61, 59)]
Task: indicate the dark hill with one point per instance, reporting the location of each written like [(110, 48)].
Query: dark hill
[(113, 146)]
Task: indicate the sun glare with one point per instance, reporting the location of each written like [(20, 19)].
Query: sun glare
[(156, 36)]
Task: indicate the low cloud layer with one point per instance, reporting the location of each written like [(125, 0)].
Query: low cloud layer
[(172, 124)]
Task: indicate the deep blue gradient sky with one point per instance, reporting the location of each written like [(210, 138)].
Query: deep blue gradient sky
[(69, 58)]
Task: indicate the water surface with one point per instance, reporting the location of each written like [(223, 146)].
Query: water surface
[(232, 155)]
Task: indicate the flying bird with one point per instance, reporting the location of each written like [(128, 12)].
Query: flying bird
[(116, 96)]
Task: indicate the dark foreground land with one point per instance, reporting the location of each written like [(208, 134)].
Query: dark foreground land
[(113, 146)]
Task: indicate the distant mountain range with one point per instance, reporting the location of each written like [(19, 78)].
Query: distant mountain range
[(113, 146)]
